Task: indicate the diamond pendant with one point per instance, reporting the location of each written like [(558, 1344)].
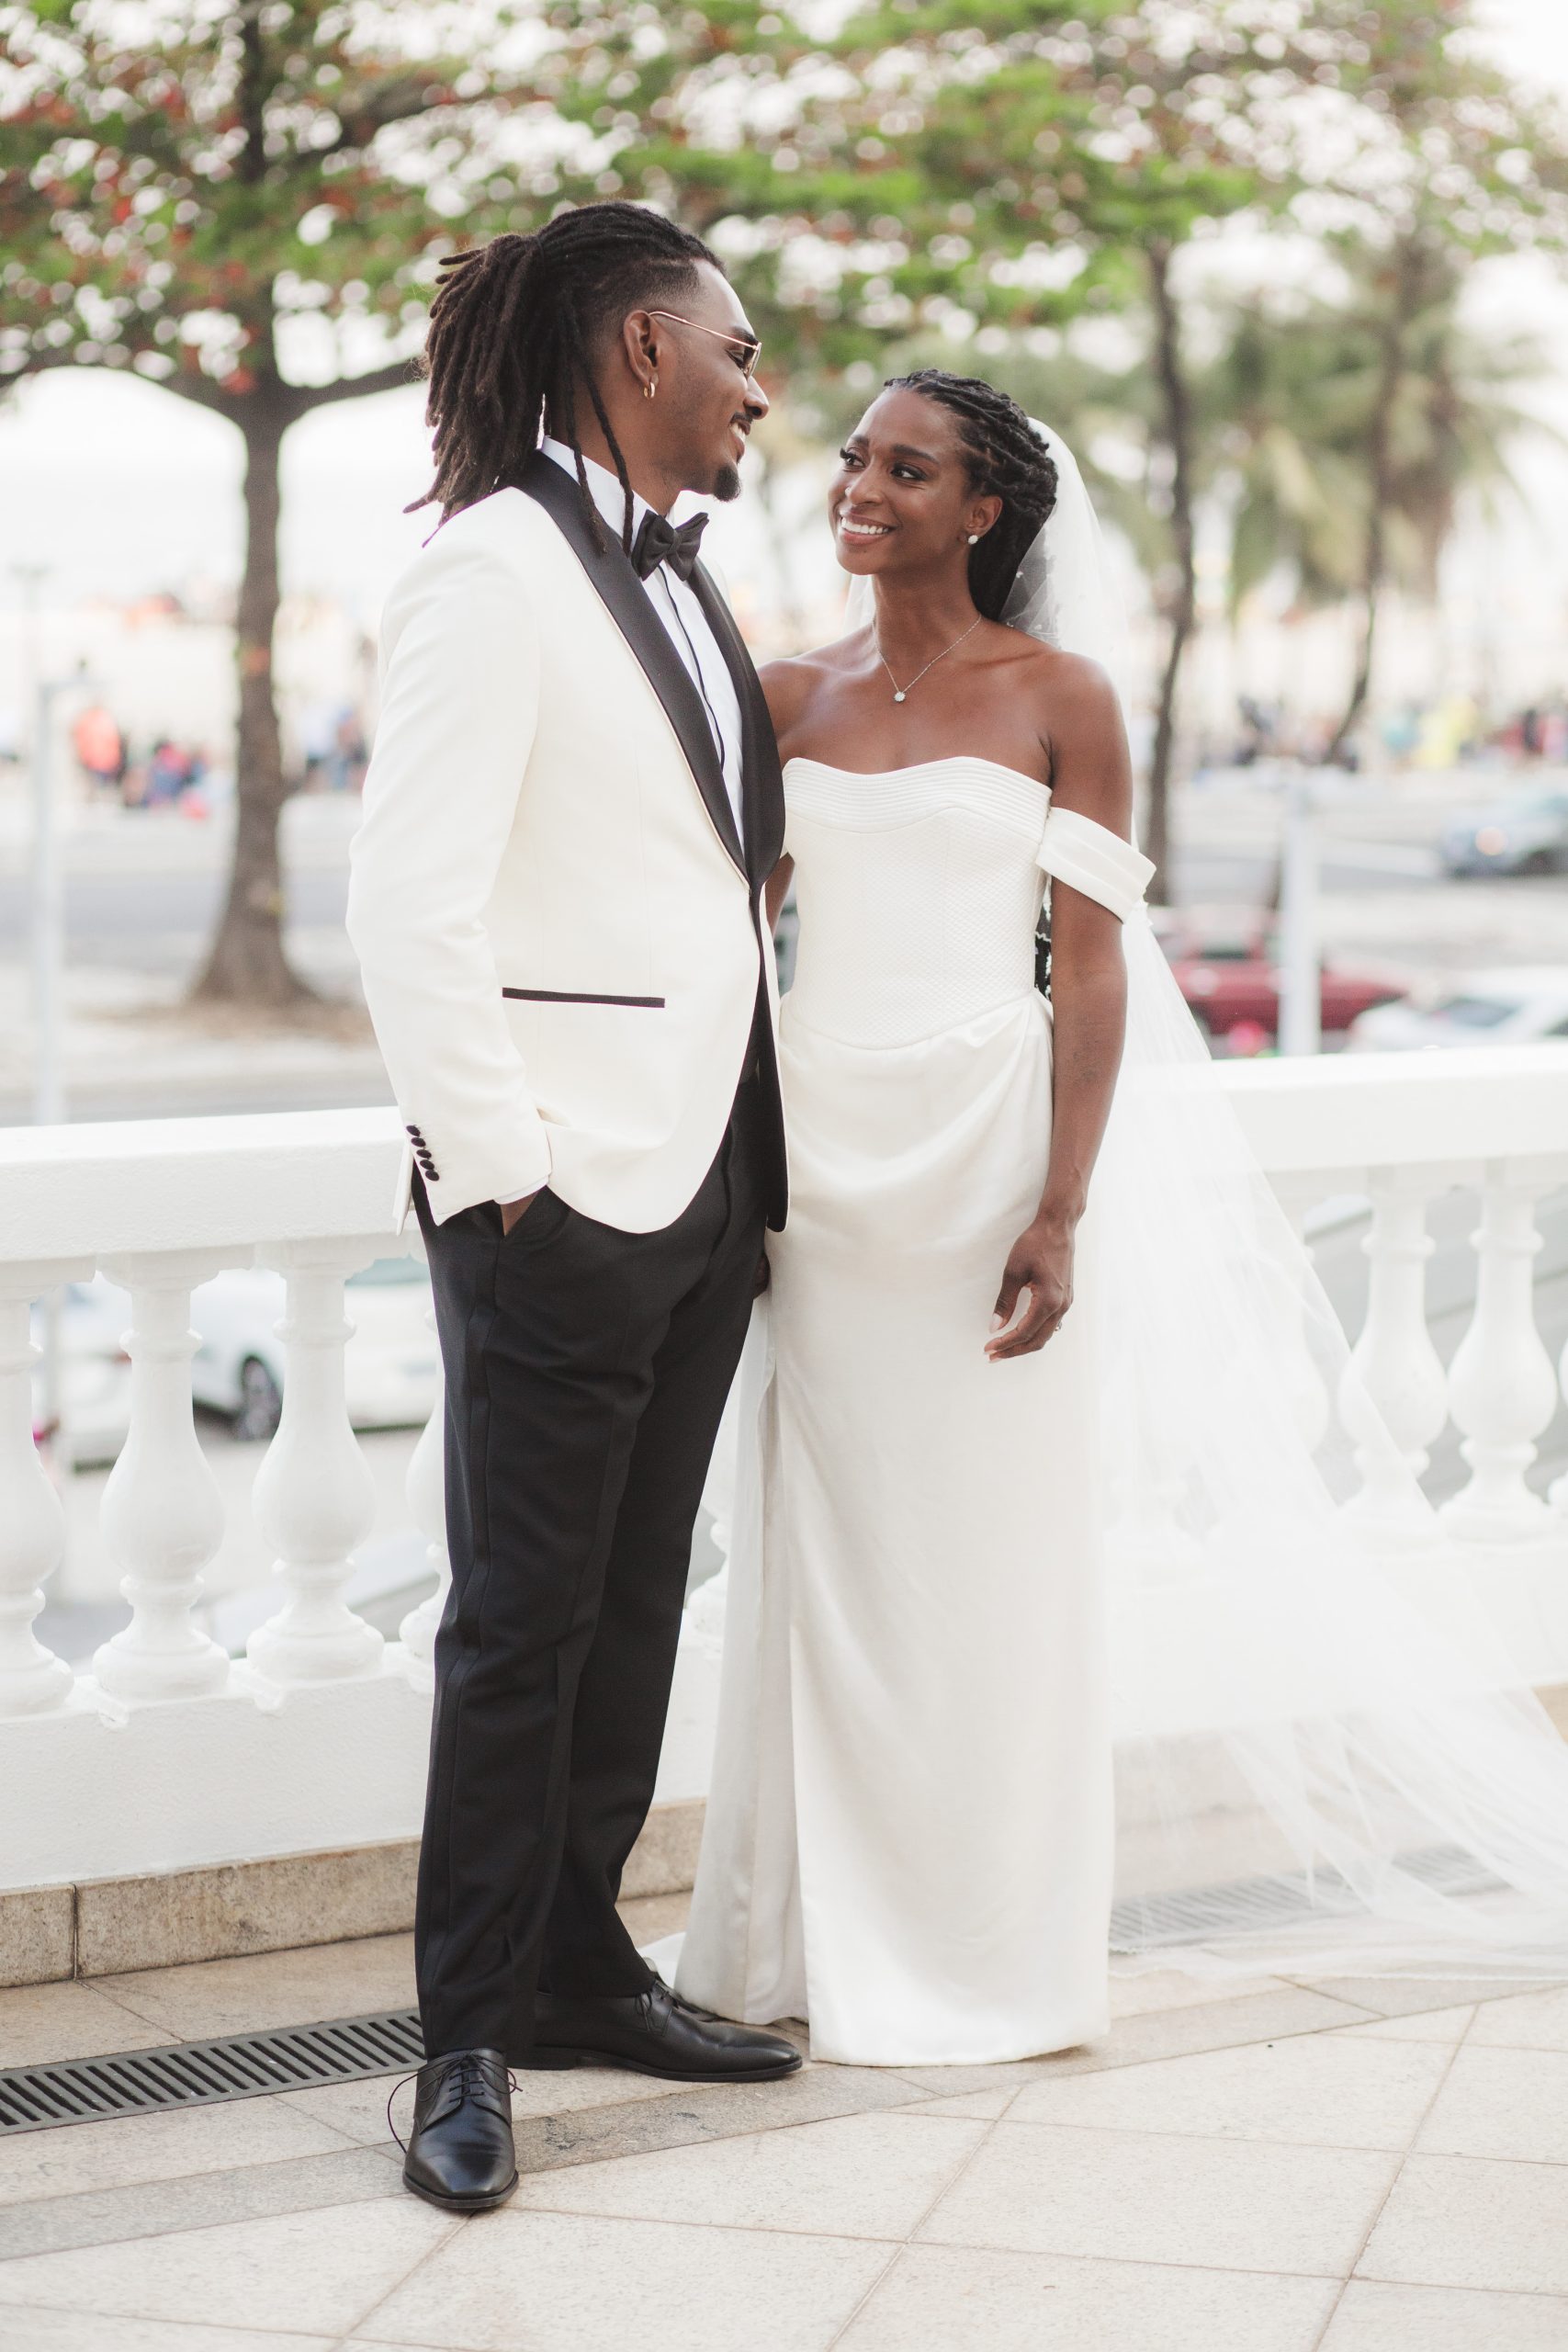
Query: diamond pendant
[(898, 694)]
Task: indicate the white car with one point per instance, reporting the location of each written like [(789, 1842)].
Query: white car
[(391, 1366), (1516, 1006)]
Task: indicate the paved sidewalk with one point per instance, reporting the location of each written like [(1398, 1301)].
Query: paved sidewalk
[(1360, 2167)]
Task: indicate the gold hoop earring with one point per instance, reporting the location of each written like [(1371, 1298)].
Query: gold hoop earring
[(649, 389)]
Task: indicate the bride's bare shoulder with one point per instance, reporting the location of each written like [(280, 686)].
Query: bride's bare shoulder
[(793, 685), (1068, 682)]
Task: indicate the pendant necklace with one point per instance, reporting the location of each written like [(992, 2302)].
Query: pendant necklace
[(900, 693)]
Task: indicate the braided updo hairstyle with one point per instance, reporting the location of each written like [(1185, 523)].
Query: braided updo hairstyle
[(512, 332), (1007, 459)]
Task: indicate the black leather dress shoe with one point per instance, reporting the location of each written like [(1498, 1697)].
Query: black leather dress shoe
[(460, 2152), (656, 2032)]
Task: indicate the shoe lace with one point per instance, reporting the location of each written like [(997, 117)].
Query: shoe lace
[(466, 2068)]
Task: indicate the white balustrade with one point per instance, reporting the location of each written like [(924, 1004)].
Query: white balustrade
[(1502, 1386), (32, 1522), (426, 1491), (243, 1769), (314, 1498), (1394, 1366), (162, 1513)]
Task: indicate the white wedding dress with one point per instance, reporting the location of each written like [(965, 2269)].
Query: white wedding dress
[(910, 1838)]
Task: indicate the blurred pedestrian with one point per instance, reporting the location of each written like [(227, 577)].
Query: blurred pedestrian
[(99, 747)]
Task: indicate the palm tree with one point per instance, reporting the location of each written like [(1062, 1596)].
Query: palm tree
[(1350, 430)]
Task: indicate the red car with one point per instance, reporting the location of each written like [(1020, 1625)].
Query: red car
[(1226, 965)]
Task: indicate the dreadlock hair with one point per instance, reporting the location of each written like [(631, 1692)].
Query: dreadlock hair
[(1007, 459), (512, 332)]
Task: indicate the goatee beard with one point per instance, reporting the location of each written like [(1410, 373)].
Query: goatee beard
[(727, 483)]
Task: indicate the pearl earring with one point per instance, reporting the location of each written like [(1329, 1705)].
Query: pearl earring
[(973, 538)]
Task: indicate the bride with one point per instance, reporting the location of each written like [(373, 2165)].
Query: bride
[(1048, 1635)]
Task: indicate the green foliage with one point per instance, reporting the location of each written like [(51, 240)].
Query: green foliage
[(187, 184)]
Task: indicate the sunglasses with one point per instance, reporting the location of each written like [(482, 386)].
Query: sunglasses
[(748, 349)]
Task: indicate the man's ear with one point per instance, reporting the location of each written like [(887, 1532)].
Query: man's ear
[(639, 347)]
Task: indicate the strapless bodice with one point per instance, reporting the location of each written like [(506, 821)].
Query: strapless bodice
[(919, 892)]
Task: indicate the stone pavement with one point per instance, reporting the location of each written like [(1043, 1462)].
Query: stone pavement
[(1352, 2166)]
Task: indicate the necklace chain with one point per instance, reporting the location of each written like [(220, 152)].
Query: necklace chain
[(901, 691)]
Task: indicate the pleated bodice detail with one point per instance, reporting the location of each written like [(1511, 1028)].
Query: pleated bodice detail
[(919, 892)]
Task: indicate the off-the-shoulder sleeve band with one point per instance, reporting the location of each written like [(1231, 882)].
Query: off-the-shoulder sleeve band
[(1091, 858)]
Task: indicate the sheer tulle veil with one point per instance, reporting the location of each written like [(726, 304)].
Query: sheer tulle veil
[(1325, 1764)]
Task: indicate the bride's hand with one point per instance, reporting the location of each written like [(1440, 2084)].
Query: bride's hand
[(1040, 1262)]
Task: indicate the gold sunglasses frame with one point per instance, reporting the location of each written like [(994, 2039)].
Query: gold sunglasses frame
[(753, 344)]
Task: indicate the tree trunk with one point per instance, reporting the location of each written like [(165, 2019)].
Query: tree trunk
[(1380, 489), (1362, 684), (1181, 611), (246, 964)]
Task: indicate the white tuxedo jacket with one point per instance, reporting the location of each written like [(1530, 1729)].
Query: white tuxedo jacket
[(560, 933)]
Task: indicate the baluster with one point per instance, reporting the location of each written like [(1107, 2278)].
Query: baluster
[(1394, 1366), (1502, 1387), (426, 1491), (314, 1498), (163, 1514), (32, 1538)]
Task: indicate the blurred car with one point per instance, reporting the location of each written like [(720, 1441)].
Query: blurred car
[(390, 1365), (1499, 1007), (1527, 833), (1227, 969)]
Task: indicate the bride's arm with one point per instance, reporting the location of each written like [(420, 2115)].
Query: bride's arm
[(1091, 775), (787, 686)]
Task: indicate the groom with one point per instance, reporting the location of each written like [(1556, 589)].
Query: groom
[(573, 805)]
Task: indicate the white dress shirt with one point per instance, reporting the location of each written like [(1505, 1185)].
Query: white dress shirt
[(675, 601)]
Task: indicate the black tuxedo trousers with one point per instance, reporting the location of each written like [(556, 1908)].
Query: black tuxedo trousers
[(586, 1372)]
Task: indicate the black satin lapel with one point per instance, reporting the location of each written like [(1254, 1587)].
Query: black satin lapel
[(762, 784), (626, 601)]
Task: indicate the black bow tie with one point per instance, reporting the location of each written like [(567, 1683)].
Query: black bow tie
[(659, 542)]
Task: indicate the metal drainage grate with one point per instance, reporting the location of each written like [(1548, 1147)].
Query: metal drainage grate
[(199, 2073), (1245, 1904)]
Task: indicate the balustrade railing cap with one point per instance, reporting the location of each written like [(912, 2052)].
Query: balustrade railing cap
[(1385, 1111), (168, 1184)]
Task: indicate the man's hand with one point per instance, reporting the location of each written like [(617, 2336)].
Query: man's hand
[(1040, 1262), (512, 1210)]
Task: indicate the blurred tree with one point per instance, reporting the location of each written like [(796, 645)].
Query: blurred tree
[(842, 177), (1294, 393), (247, 205), (1448, 164), (241, 200)]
